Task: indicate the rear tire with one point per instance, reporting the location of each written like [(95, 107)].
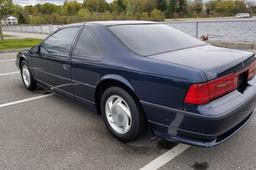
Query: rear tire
[(121, 114), (27, 77)]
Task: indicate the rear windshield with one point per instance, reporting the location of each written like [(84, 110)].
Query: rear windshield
[(150, 39)]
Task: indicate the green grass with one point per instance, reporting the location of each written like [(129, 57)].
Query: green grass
[(8, 44)]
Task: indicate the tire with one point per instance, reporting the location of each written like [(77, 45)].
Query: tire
[(27, 77), (124, 128)]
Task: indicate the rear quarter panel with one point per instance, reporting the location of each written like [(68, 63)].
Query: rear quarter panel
[(147, 87)]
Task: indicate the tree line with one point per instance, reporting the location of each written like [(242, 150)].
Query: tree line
[(157, 10)]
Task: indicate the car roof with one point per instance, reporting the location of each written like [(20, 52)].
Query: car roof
[(129, 22), (113, 23)]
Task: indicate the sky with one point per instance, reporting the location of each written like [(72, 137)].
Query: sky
[(33, 2)]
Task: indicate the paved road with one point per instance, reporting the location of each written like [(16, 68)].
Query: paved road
[(56, 133)]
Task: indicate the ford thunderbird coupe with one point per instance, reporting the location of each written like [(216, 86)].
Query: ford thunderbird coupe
[(146, 76)]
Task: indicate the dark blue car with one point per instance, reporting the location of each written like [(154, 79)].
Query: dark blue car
[(145, 75)]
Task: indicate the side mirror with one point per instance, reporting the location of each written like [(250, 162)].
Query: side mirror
[(35, 49)]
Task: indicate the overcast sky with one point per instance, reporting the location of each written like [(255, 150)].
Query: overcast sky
[(33, 2)]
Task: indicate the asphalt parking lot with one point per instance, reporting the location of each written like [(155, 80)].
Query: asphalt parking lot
[(47, 131)]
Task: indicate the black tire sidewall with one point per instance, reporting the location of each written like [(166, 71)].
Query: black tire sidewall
[(135, 128)]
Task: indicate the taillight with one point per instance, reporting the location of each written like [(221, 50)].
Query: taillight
[(205, 92), (252, 70)]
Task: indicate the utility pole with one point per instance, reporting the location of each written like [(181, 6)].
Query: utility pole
[(1, 32)]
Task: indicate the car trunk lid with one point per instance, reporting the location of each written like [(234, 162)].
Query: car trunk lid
[(225, 69), (213, 61)]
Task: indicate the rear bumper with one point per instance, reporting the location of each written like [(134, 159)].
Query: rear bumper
[(215, 123)]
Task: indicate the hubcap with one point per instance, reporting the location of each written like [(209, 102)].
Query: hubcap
[(26, 75), (118, 114)]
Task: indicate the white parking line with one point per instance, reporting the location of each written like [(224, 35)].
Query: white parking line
[(7, 74), (7, 60), (25, 100), (166, 157)]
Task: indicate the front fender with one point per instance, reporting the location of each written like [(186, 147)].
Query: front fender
[(21, 55)]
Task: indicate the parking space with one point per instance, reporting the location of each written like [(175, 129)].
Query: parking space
[(7, 66), (54, 132), (11, 85), (237, 153), (12, 89), (7, 56)]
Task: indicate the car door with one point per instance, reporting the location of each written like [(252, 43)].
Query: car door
[(85, 65), (52, 65)]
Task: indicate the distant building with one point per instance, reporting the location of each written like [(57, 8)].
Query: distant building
[(10, 20)]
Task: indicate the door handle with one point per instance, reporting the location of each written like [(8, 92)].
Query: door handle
[(66, 67)]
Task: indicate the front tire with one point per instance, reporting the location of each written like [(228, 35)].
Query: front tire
[(121, 114), (26, 75)]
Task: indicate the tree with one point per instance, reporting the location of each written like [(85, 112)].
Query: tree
[(210, 7), (241, 6), (253, 10), (134, 6), (196, 6), (157, 15), (161, 5), (140, 6), (122, 4), (230, 7), (22, 14), (118, 6), (48, 8), (148, 5), (99, 6), (227, 7), (71, 8), (84, 13), (32, 10), (182, 6), (6, 8), (172, 7)]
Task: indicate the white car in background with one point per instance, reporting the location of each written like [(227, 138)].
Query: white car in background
[(243, 15)]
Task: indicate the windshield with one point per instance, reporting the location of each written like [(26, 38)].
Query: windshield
[(150, 39)]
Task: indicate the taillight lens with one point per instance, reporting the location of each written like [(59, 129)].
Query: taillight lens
[(252, 70), (205, 92)]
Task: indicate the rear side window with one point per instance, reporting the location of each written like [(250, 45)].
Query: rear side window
[(150, 39), (61, 41), (87, 46)]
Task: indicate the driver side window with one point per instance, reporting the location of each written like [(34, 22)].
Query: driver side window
[(60, 42)]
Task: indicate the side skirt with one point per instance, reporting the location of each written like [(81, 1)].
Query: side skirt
[(88, 104)]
